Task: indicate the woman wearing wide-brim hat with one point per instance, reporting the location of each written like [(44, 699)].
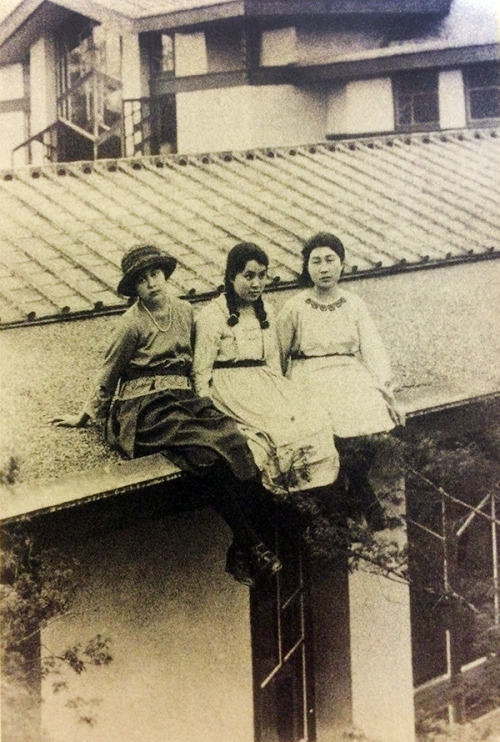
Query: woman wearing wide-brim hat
[(145, 394)]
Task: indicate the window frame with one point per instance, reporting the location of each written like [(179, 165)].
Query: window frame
[(470, 88), (403, 84)]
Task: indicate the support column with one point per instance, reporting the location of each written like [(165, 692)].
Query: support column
[(380, 627), (43, 110)]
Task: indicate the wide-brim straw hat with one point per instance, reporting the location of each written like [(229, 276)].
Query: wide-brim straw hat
[(139, 258)]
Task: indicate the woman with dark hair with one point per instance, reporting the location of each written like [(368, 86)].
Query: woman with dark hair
[(237, 365), (145, 394), (330, 344)]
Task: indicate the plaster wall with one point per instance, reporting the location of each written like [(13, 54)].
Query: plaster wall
[(190, 54), (43, 111), (131, 73), (179, 626), (452, 113), (12, 133), (246, 117), (11, 82), (278, 46), (318, 43), (382, 699), (360, 107)]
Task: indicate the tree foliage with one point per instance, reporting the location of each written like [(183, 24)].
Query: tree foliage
[(38, 587)]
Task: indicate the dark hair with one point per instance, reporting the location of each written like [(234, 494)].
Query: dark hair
[(322, 239), (237, 259)]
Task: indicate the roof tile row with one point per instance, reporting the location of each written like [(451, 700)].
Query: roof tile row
[(395, 201)]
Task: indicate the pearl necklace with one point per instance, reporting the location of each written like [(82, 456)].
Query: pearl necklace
[(155, 322)]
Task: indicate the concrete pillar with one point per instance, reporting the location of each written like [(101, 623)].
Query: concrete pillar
[(380, 628), (43, 110), (382, 684), (452, 114), (132, 75)]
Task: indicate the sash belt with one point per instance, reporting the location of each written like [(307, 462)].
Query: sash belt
[(183, 369), (244, 363), (302, 357)]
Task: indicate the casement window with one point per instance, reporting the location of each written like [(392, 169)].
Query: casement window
[(482, 93), (281, 643), (416, 100)]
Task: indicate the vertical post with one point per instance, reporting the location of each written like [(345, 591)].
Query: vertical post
[(380, 626), (494, 551), (454, 620)]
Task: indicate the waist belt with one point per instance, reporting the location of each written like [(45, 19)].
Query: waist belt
[(180, 369), (301, 357), (244, 363)]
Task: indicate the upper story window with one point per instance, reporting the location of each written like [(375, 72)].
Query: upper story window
[(416, 100), (162, 54), (482, 93)]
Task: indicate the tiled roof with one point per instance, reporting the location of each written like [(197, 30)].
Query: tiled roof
[(396, 201)]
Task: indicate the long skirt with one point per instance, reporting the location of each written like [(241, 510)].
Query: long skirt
[(190, 431), (290, 437)]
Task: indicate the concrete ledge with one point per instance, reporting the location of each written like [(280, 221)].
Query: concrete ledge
[(19, 502)]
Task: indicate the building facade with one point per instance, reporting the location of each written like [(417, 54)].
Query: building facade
[(197, 125)]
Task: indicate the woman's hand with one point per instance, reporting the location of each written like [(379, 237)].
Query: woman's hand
[(397, 413), (79, 420), (396, 410)]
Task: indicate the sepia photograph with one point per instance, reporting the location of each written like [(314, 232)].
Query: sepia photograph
[(250, 370)]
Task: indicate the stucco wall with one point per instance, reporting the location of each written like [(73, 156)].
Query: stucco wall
[(246, 117), (181, 668), (12, 133), (360, 107)]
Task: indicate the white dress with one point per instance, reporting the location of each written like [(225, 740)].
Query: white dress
[(335, 351), (291, 440)]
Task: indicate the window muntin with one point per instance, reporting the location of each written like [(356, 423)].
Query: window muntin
[(416, 100)]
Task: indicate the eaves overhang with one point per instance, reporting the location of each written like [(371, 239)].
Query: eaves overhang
[(374, 64), (32, 18), (24, 501)]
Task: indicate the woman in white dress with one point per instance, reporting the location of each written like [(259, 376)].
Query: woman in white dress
[(237, 364), (330, 344)]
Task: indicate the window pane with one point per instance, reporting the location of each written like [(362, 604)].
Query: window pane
[(425, 108), (483, 75), (485, 103), (404, 111), (416, 99)]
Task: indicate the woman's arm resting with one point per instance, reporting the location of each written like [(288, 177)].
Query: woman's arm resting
[(79, 420)]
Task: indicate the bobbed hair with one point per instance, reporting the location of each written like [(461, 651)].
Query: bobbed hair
[(237, 259), (321, 239)]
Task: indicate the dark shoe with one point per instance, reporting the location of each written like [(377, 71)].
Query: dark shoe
[(265, 561), (239, 565)]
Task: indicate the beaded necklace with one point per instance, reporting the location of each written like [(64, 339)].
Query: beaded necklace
[(326, 307)]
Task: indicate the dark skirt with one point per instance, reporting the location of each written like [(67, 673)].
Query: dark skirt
[(188, 429)]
